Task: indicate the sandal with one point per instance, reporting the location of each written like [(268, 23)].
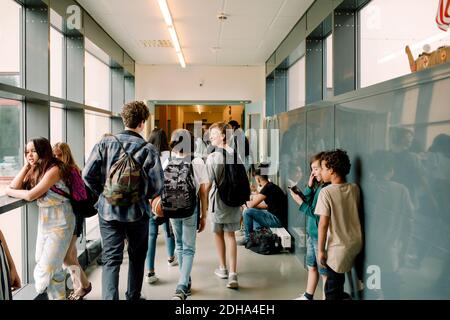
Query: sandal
[(79, 296)]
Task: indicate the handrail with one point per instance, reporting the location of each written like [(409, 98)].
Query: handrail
[(8, 203)]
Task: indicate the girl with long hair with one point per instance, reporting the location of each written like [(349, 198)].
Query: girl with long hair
[(35, 181)]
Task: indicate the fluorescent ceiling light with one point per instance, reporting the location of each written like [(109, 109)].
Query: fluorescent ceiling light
[(165, 12), (173, 34), (181, 59), (175, 42)]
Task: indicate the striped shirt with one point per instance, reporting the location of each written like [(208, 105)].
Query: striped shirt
[(5, 285)]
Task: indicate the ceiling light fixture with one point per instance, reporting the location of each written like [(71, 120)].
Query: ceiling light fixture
[(173, 34)]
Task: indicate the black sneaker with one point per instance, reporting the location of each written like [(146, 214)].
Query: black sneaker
[(188, 291), (179, 295)]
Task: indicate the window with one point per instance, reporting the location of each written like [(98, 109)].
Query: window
[(97, 78), (329, 66), (383, 41), (296, 89), (11, 155), (11, 161), (96, 125), (56, 63), (57, 123), (10, 39)]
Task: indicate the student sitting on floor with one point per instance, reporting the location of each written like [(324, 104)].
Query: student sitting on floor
[(270, 214)]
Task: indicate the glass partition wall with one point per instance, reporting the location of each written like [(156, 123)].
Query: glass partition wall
[(67, 96)]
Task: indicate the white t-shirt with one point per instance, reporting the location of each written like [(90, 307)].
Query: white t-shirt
[(198, 167)]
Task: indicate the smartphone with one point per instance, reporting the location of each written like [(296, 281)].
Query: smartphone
[(297, 191)]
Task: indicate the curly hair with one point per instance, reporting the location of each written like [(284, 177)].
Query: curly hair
[(338, 161), (134, 113)]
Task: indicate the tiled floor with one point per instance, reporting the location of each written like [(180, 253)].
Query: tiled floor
[(278, 277)]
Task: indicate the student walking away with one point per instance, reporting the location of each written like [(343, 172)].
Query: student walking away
[(159, 139), (267, 209), (36, 181), (81, 285), (185, 181), (239, 143), (340, 236), (125, 171), (228, 189), (307, 202), (9, 278)]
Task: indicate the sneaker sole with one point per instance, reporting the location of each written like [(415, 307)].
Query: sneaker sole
[(221, 276), (233, 285), (151, 281)]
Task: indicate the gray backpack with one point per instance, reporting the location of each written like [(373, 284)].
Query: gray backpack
[(178, 197)]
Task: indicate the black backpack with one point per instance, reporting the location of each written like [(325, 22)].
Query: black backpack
[(264, 241), (178, 197), (234, 190)]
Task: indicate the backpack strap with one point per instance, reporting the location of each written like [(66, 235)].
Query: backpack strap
[(135, 151), (61, 192)]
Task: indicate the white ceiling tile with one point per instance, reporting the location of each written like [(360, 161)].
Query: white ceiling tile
[(253, 8), (252, 32), (292, 8)]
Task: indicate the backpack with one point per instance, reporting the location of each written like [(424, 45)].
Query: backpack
[(234, 190), (264, 241), (123, 180), (81, 198), (178, 197)]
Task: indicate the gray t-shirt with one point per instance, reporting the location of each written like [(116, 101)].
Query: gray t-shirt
[(220, 212)]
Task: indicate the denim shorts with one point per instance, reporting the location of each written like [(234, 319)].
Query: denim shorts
[(311, 256)]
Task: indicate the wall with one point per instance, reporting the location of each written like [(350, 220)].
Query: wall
[(397, 135), (219, 83)]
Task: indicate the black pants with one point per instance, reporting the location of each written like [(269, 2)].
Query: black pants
[(334, 286), (113, 235)]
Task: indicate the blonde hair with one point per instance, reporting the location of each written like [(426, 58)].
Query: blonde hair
[(66, 157), (222, 127)]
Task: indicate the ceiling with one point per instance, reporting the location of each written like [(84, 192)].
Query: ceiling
[(252, 32)]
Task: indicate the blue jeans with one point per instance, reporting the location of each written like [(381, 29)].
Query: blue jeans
[(152, 236), (113, 235), (257, 218), (185, 231)]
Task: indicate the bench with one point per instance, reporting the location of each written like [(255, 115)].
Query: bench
[(286, 242)]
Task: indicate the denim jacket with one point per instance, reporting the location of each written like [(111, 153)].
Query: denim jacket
[(104, 154)]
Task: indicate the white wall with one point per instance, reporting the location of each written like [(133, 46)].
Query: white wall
[(219, 83)]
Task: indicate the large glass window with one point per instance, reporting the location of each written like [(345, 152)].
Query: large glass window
[(10, 42), (57, 123), (11, 155), (96, 125), (296, 91), (56, 63), (11, 227), (329, 66), (387, 27), (97, 82)]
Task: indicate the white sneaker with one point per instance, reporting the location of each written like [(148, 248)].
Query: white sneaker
[(173, 263), (302, 297), (221, 273), (233, 281), (151, 278)]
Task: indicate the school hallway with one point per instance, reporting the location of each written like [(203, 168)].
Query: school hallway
[(273, 277)]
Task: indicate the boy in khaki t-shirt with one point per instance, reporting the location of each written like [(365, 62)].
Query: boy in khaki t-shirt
[(340, 236)]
